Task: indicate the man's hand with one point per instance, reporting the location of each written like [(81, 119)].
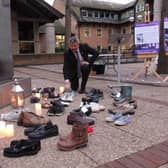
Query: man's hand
[(84, 62), (67, 84)]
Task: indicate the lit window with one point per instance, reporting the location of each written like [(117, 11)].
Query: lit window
[(99, 32), (86, 32)]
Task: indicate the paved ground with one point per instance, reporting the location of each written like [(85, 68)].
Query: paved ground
[(108, 142)]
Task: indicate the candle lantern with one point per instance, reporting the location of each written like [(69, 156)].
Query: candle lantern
[(17, 95)]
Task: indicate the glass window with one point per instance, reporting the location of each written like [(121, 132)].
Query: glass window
[(86, 32), (96, 14), (115, 17), (99, 32), (124, 31), (26, 37), (112, 15), (107, 15), (84, 13), (101, 14), (60, 39), (90, 13), (26, 31)]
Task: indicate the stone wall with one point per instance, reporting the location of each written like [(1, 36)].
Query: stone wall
[(20, 60)]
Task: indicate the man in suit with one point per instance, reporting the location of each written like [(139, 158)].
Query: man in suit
[(78, 64)]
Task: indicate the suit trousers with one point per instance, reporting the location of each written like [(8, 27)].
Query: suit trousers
[(85, 70)]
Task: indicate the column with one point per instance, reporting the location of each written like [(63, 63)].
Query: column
[(6, 58), (50, 38)]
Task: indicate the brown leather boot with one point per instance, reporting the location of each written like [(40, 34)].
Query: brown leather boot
[(76, 139)]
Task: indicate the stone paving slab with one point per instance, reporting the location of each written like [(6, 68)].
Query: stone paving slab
[(108, 142)]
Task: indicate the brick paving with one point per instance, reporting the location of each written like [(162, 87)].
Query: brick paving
[(152, 157)]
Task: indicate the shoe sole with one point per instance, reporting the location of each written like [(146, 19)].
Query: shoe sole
[(72, 122), (56, 114), (72, 148)]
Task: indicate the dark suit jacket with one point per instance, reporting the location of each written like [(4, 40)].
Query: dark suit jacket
[(70, 62)]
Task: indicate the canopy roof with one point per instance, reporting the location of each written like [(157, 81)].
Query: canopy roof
[(103, 4), (36, 9)]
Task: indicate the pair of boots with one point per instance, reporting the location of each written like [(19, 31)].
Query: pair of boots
[(125, 95), (76, 139)]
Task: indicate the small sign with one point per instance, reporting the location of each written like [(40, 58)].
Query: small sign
[(146, 38)]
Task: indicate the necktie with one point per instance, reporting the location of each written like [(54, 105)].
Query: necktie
[(78, 65)]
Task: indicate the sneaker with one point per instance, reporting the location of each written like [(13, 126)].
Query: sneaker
[(123, 120), (96, 107), (67, 97), (113, 117), (13, 115)]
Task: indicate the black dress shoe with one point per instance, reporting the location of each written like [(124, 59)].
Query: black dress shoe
[(57, 108), (22, 148), (81, 91), (31, 129), (44, 131)]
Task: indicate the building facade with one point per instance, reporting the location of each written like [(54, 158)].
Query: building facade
[(27, 17), (98, 25)]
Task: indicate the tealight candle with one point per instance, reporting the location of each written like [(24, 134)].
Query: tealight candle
[(9, 131), (38, 95), (38, 110), (2, 129), (61, 89)]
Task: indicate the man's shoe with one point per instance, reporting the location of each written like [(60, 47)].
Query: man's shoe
[(113, 117), (22, 148), (79, 117), (31, 129), (30, 119), (44, 131), (57, 108), (82, 91)]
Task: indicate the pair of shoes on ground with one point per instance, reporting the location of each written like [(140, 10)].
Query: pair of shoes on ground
[(56, 109), (68, 96), (87, 103), (95, 95), (79, 117), (13, 115), (30, 119), (42, 131), (119, 119), (50, 92), (23, 147), (125, 109)]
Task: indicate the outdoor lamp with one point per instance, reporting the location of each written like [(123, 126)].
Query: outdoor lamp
[(17, 95)]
